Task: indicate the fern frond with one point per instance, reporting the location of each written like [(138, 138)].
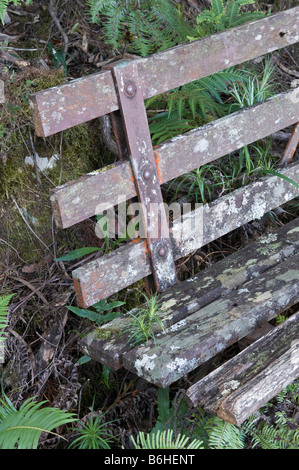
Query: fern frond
[(164, 440), (22, 428), (97, 6), (223, 435), (4, 319)]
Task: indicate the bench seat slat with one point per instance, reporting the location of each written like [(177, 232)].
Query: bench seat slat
[(189, 296), (84, 99), (92, 194), (130, 263), (239, 387), (202, 335)]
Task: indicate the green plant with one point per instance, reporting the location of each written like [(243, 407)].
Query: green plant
[(223, 435), (94, 434), (164, 440), (4, 5), (4, 314), (99, 315), (193, 104), (141, 27), (144, 322), (224, 14), (22, 428)]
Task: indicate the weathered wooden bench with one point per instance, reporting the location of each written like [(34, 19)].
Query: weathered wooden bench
[(234, 298)]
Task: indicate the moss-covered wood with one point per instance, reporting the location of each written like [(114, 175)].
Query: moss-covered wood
[(195, 339), (191, 295), (239, 387)]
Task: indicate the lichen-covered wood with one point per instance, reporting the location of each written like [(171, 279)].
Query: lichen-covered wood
[(75, 201), (87, 98), (130, 263), (195, 339), (107, 344), (239, 387)]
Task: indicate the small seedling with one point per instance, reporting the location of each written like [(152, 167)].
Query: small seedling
[(144, 322)]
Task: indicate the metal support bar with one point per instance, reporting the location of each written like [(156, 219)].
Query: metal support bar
[(291, 146), (144, 168)]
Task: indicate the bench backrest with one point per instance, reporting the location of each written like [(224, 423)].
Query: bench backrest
[(125, 86)]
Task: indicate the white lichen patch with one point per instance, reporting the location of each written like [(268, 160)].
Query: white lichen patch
[(176, 326), (43, 163), (167, 305), (290, 275), (272, 237), (201, 146), (296, 229), (145, 363), (228, 387), (262, 296)]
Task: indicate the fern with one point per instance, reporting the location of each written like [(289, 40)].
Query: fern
[(4, 314), (5, 3), (223, 435), (22, 428), (142, 27), (164, 440), (224, 14)]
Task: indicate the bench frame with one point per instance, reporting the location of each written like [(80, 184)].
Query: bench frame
[(120, 90)]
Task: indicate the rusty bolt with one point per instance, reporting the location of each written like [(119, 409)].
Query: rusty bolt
[(130, 89), (147, 174), (162, 251)]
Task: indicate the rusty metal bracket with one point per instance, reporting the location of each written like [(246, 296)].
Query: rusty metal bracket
[(144, 169), (291, 146)]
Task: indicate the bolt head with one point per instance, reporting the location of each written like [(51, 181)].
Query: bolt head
[(147, 174), (162, 251), (130, 89)]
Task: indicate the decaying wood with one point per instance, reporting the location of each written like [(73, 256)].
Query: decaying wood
[(87, 98), (192, 341), (239, 387), (130, 263), (106, 344), (105, 188)]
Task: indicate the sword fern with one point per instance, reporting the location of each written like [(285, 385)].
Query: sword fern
[(4, 318)]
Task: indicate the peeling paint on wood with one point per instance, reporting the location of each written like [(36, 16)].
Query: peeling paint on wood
[(110, 186), (109, 274), (216, 326), (239, 387), (87, 98), (189, 296)]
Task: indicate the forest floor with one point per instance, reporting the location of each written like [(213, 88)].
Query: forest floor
[(42, 347)]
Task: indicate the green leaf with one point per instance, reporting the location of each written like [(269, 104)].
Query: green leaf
[(22, 428), (83, 313), (103, 306), (83, 360), (105, 375), (275, 173), (78, 253)]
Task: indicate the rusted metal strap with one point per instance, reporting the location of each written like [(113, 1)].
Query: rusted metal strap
[(145, 173), (291, 147)]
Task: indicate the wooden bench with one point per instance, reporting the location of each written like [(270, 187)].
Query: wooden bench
[(237, 296)]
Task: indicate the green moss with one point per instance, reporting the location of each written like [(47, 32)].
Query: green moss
[(79, 149), (106, 333)]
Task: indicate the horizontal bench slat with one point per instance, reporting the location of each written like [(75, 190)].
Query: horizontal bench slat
[(239, 387), (207, 286), (109, 274), (84, 99), (91, 194), (202, 335)]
